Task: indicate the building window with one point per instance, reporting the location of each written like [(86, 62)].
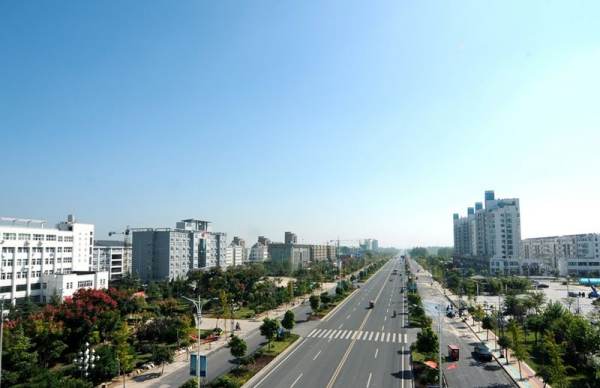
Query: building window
[(38, 237), (85, 283), (59, 238), (24, 236), (50, 237), (9, 236)]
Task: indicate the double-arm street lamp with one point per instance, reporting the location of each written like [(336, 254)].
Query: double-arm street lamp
[(198, 305)]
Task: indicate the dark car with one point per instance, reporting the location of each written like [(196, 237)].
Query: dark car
[(450, 314), (482, 353), (542, 285)]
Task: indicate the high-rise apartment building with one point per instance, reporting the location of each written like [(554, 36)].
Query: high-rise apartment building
[(113, 257), (39, 262), (166, 253), (490, 234)]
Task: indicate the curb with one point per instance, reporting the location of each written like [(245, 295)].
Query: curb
[(272, 364)]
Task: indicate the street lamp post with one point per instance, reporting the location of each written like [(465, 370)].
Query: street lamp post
[(86, 359), (198, 305)]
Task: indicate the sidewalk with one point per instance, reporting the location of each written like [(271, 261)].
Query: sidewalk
[(530, 380)]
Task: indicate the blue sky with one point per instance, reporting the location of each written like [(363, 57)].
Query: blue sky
[(330, 119)]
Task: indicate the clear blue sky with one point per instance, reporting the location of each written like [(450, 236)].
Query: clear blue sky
[(338, 118)]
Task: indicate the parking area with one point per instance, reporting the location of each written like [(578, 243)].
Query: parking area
[(556, 292)]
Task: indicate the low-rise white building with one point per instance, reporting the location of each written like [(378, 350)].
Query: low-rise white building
[(29, 251), (234, 256), (65, 285)]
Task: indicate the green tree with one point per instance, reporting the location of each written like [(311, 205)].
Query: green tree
[(18, 359), (504, 343), (123, 350), (289, 320), (237, 348), (315, 302), (554, 371), (535, 323), (488, 323), (535, 301), (162, 354), (269, 329), (518, 348), (106, 367), (427, 341)]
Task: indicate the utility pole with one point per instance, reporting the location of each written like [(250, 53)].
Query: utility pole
[(198, 306)]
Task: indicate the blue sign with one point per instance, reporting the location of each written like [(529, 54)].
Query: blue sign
[(193, 364)]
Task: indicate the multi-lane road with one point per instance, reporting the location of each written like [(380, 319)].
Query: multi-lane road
[(356, 346)]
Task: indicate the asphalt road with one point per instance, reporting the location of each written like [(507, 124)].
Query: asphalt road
[(356, 346), (468, 371)]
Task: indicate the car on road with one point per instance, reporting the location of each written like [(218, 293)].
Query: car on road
[(371, 304), (482, 353), (450, 314)]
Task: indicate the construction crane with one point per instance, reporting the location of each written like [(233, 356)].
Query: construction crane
[(126, 233), (337, 251)]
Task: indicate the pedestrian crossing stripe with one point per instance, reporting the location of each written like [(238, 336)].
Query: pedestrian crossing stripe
[(359, 335)]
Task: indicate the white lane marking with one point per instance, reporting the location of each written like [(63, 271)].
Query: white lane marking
[(405, 338), (382, 327), (340, 326), (387, 311), (402, 366), (281, 362), (338, 334), (382, 337), (295, 381), (393, 337), (349, 334), (311, 333), (385, 318), (324, 333), (388, 338), (371, 336), (376, 352), (317, 355), (376, 336), (348, 316), (355, 335), (369, 380), (332, 334)]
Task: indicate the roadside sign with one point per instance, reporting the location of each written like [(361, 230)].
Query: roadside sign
[(203, 365)]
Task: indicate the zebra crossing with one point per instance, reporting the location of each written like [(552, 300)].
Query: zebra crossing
[(360, 335)]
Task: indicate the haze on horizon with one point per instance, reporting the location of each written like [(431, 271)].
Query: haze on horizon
[(328, 119)]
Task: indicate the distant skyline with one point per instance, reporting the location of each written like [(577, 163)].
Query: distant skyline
[(335, 119)]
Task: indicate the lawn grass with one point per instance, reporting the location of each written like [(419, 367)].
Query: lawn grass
[(279, 346), (239, 376)]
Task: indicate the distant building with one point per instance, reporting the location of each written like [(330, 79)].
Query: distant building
[(166, 253), (235, 255), (375, 245), (317, 252), (113, 257), (298, 256), (263, 240), (574, 255), (290, 238), (32, 254), (490, 234), (259, 252)]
